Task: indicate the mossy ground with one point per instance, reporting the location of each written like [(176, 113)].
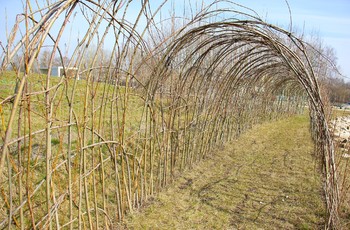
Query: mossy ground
[(266, 179)]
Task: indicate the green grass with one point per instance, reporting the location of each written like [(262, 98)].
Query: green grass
[(266, 179), (59, 137), (60, 108)]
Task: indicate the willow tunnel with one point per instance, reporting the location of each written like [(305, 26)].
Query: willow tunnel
[(85, 148)]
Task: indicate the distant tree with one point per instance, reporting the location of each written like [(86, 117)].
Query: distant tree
[(324, 61), (338, 90), (44, 58)]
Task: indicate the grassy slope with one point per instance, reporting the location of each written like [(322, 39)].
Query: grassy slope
[(265, 179)]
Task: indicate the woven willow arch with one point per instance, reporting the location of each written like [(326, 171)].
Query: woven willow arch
[(148, 107), (272, 64)]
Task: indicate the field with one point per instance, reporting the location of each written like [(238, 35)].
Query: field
[(84, 148), (265, 176)]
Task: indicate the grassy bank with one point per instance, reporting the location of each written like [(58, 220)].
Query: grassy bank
[(265, 179), (90, 145)]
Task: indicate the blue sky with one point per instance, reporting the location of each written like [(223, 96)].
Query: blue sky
[(330, 19)]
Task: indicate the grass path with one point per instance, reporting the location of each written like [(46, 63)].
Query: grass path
[(266, 179)]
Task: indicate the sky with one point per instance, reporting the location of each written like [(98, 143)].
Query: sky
[(329, 19)]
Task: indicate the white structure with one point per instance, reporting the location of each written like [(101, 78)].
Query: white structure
[(57, 71)]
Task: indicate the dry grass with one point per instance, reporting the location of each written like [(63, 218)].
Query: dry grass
[(266, 179)]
